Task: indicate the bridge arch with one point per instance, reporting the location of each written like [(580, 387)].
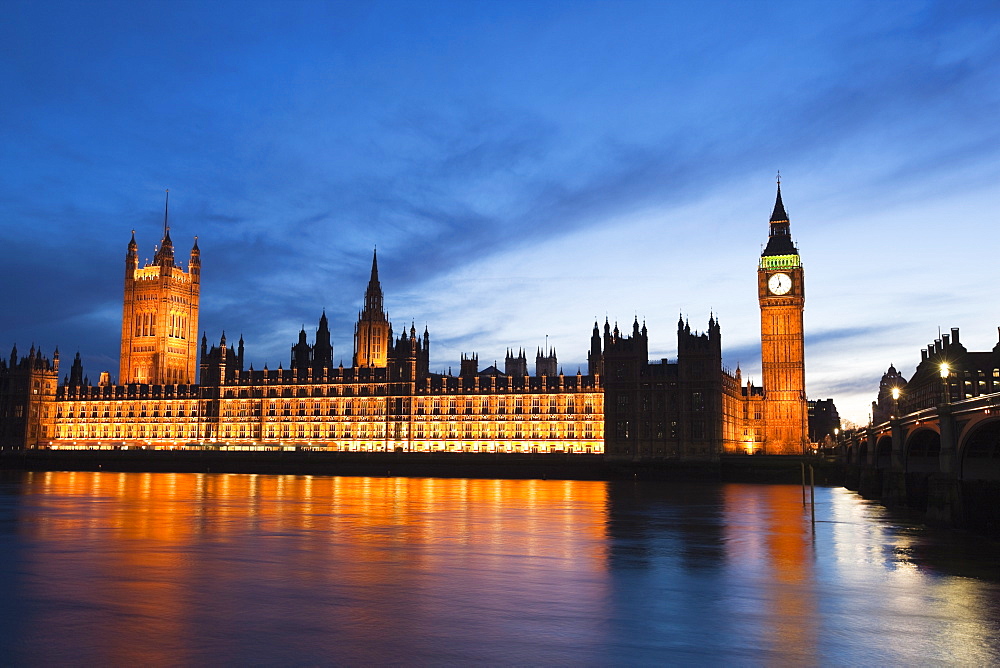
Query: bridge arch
[(980, 451), (922, 452), (883, 452), (863, 452)]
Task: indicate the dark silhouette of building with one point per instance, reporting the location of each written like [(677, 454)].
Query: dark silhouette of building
[(823, 420)]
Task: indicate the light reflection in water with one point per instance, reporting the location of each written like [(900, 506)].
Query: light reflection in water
[(167, 568), (129, 568), (767, 536)]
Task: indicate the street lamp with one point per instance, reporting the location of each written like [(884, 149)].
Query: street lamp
[(945, 371), (895, 401)]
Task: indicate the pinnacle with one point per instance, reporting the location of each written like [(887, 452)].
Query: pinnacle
[(779, 215)]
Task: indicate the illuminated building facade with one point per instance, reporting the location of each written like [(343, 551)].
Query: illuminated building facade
[(387, 401), (625, 407), (160, 316)]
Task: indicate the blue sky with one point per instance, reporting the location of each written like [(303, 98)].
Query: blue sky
[(523, 168)]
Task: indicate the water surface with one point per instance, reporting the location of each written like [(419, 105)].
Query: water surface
[(154, 569)]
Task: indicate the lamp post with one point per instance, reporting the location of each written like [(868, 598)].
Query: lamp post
[(895, 429), (945, 371), (948, 457)]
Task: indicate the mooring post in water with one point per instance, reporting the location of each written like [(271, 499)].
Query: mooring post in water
[(812, 492), (803, 465)]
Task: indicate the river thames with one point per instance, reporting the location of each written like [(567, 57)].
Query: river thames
[(180, 569)]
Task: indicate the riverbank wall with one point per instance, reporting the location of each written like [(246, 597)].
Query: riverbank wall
[(759, 469)]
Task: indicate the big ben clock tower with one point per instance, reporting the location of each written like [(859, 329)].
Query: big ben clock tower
[(781, 293)]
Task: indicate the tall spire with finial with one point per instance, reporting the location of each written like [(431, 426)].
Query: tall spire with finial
[(779, 215), (779, 241), (373, 294), (165, 254)]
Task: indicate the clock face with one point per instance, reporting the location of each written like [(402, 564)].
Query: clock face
[(779, 284)]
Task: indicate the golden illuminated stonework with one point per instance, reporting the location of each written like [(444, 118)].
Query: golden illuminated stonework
[(159, 343)]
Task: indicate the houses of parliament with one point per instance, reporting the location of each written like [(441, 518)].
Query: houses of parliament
[(176, 392)]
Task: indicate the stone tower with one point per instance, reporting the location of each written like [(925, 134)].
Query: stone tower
[(160, 315), (781, 293), (371, 334)]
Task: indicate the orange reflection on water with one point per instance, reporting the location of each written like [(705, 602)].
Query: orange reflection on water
[(769, 529), (163, 568)]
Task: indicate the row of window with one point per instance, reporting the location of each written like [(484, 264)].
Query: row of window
[(281, 389), (577, 447), (437, 430), (660, 430), (567, 405)]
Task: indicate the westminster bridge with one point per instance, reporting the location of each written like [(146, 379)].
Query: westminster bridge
[(943, 460)]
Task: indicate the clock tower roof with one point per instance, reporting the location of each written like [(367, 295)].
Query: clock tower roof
[(779, 241), (779, 215)]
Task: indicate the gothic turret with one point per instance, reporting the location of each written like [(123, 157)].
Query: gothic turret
[(301, 353), (76, 372), (323, 348), (131, 258), (595, 360), (194, 264)]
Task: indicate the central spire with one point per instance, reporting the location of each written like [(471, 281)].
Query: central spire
[(165, 255), (372, 333), (166, 215), (779, 215), (373, 295), (779, 240)]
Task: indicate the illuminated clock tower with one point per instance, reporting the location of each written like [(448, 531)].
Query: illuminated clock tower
[(781, 293)]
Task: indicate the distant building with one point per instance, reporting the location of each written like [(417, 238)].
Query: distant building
[(388, 399), (823, 420), (947, 372)]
